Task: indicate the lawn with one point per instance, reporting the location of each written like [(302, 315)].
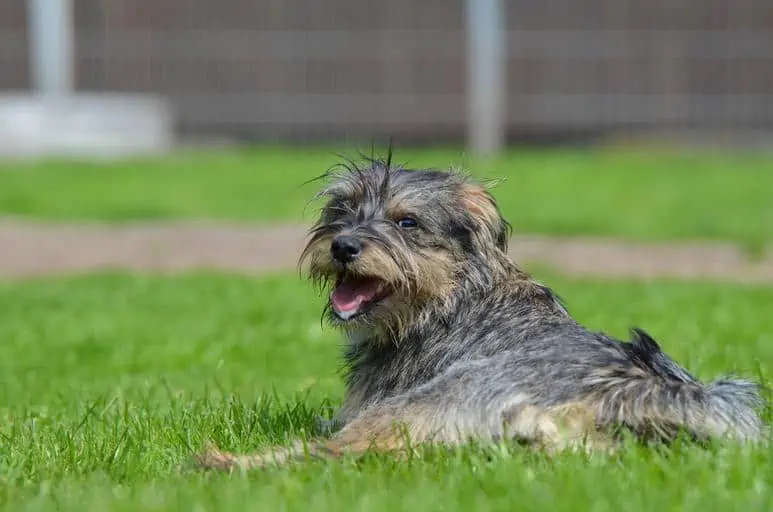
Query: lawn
[(108, 380), (643, 195)]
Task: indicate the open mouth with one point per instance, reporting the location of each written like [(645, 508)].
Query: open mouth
[(355, 295)]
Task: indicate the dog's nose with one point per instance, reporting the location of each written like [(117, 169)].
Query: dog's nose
[(346, 248)]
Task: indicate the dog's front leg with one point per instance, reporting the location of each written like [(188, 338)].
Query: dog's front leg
[(212, 458), (380, 429)]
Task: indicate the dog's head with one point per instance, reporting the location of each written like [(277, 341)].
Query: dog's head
[(391, 240)]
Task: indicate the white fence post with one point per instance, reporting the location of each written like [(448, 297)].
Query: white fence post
[(486, 79), (51, 45)]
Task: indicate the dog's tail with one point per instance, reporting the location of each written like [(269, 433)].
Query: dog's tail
[(665, 400)]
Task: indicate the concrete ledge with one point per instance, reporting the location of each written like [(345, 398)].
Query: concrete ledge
[(84, 125)]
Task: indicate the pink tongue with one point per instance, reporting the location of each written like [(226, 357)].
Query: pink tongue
[(349, 296)]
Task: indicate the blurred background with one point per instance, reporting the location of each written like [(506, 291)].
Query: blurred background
[(332, 70)]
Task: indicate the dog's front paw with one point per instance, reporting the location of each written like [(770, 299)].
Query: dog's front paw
[(211, 458)]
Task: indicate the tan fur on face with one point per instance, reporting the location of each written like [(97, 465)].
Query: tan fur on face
[(373, 263), (415, 280)]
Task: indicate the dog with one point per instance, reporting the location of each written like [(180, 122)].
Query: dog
[(448, 340)]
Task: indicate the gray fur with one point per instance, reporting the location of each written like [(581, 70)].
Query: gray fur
[(490, 341), (467, 345)]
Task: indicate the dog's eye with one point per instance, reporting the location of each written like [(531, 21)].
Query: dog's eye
[(407, 222)]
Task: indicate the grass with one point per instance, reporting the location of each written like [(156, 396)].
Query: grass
[(109, 380), (659, 195)]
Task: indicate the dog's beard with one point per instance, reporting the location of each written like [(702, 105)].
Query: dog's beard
[(385, 290)]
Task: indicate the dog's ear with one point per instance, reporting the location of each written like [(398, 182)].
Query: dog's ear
[(484, 210)]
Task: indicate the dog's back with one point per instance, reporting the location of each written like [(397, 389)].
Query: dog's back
[(516, 348)]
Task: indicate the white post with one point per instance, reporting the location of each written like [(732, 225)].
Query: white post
[(57, 120), (51, 46), (486, 80)]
